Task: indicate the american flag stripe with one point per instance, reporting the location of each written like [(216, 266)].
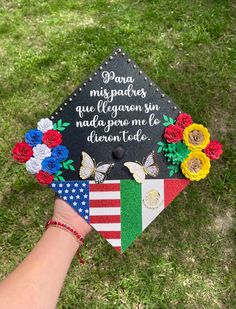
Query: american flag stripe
[(104, 203), (100, 227), (106, 219), (104, 210), (105, 195), (110, 234), (104, 187), (114, 242), (96, 211)]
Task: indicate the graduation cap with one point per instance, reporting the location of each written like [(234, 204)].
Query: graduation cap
[(118, 150)]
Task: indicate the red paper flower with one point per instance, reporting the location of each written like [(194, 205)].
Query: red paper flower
[(173, 133), (213, 150), (44, 178), (184, 120), (22, 152), (52, 138)]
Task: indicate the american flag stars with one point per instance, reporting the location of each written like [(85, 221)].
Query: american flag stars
[(76, 193)]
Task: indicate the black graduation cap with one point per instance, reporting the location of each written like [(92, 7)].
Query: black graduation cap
[(113, 150)]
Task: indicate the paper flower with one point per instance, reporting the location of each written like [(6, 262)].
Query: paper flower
[(52, 138), (44, 125), (33, 165), (44, 178), (22, 152), (173, 133), (214, 150), (184, 120), (196, 137), (41, 151), (176, 152), (196, 166), (60, 153), (33, 137), (50, 165)]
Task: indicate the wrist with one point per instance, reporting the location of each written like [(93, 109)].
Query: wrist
[(78, 225), (61, 238), (65, 213), (66, 227), (67, 232)]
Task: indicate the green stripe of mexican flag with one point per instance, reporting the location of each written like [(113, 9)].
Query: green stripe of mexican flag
[(131, 212), (142, 203)]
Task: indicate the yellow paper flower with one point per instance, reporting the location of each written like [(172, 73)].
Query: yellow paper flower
[(196, 166), (196, 136)]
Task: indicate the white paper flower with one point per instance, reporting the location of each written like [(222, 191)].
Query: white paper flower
[(33, 165), (45, 124), (41, 151)]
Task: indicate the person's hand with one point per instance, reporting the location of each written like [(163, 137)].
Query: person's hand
[(65, 213)]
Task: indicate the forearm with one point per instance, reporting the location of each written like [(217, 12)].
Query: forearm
[(37, 281)]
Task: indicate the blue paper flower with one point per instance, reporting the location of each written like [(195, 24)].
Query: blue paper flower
[(60, 153), (50, 165), (33, 137)]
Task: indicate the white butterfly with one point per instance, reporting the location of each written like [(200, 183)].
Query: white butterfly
[(89, 168), (140, 170)]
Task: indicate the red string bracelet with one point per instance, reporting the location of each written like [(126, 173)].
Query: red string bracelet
[(69, 229), (66, 227)]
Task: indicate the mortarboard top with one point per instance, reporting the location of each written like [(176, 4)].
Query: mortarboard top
[(118, 166)]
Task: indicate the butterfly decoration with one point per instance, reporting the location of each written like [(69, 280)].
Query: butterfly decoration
[(89, 168), (148, 167)]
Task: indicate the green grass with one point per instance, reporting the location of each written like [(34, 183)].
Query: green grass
[(185, 259)]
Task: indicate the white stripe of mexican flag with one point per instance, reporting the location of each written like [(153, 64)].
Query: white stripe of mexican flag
[(150, 190)]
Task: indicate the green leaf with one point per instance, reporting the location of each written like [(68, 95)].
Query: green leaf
[(64, 164), (61, 178), (171, 173), (55, 178), (177, 168), (69, 161), (60, 129), (68, 165), (71, 167), (173, 169), (60, 126), (159, 150), (171, 120), (161, 143), (58, 173), (168, 121), (54, 126)]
